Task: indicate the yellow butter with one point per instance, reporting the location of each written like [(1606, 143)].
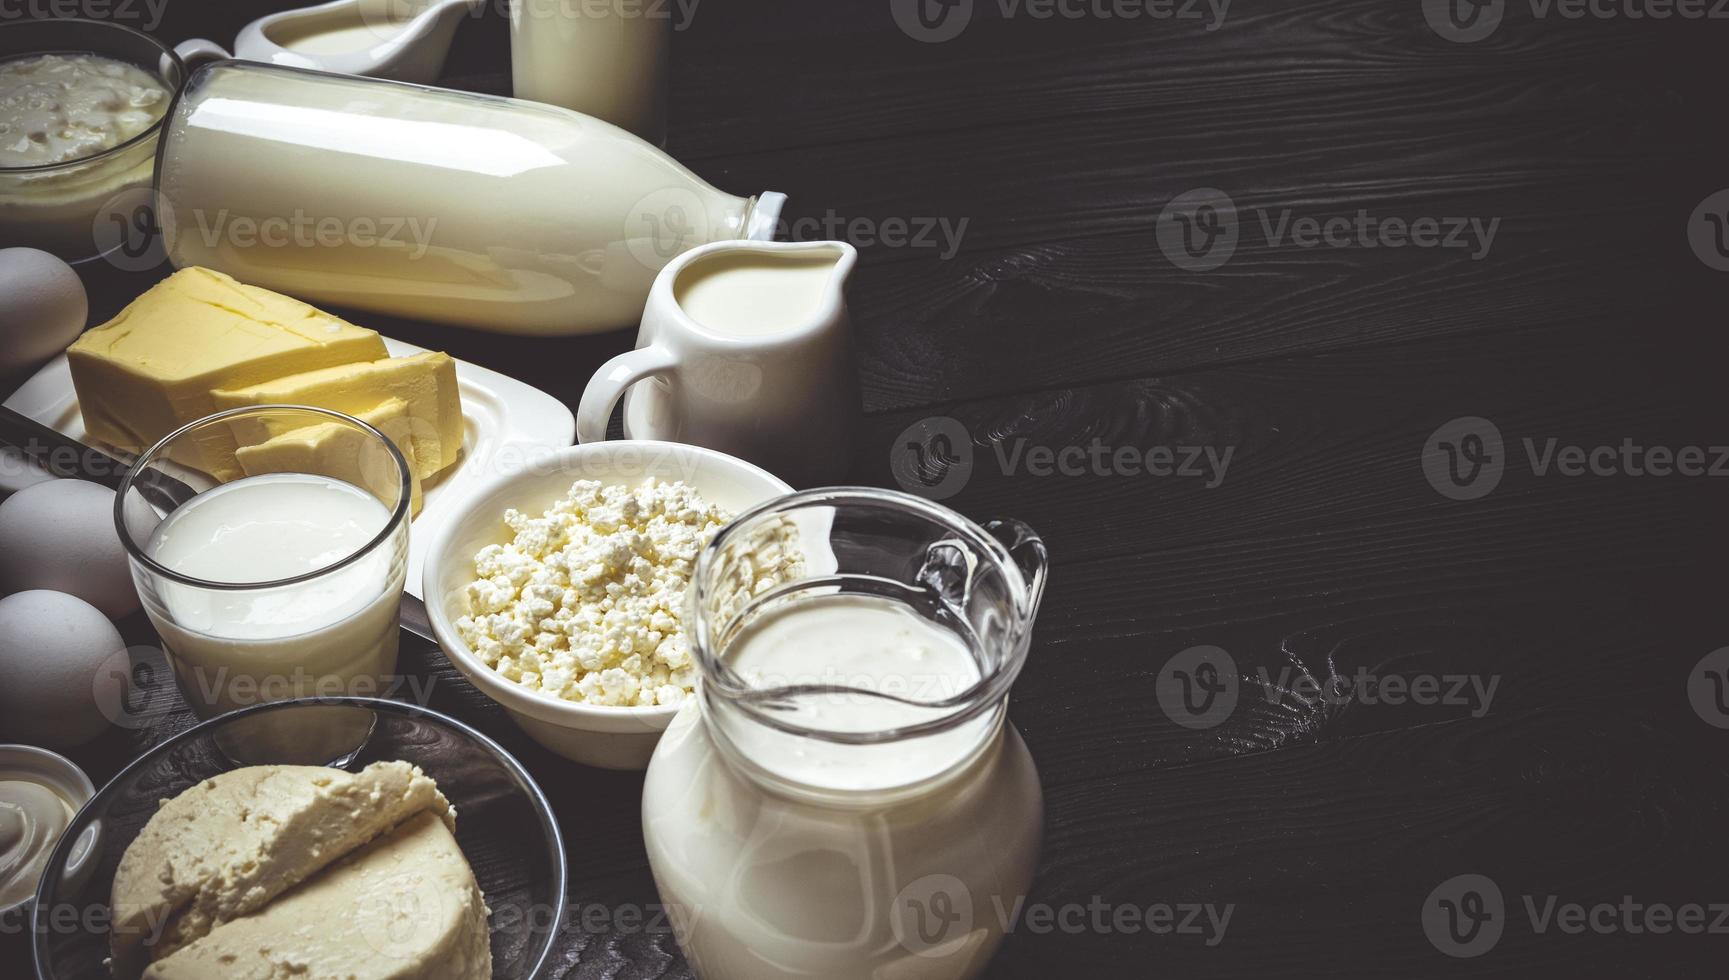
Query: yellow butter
[(425, 382), (154, 367), (344, 452)]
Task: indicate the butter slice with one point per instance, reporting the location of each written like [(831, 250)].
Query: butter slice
[(406, 907), (344, 452), (426, 382), (153, 367), (230, 845)]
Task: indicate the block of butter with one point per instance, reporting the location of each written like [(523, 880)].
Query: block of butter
[(154, 367), (344, 452), (425, 382)]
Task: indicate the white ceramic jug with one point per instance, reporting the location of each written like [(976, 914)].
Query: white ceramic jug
[(402, 40), (745, 348)]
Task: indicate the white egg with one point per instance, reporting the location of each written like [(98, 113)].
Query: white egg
[(56, 654), (60, 535), (42, 307)]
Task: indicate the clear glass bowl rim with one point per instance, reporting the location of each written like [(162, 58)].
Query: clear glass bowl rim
[(150, 132)]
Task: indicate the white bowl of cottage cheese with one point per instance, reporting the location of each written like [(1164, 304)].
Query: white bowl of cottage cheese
[(558, 589)]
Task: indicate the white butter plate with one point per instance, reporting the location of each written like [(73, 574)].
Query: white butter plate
[(506, 423)]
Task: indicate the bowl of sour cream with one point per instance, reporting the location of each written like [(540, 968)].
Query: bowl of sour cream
[(81, 104), (40, 791)]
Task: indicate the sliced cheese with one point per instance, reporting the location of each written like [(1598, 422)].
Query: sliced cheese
[(153, 367), (344, 452), (230, 845), (406, 907), (426, 382)]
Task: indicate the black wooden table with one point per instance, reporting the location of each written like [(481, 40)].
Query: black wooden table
[(1349, 355)]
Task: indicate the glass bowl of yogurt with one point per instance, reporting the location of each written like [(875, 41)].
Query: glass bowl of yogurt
[(504, 827), (81, 105)]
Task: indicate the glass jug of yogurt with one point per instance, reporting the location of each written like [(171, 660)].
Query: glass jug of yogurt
[(429, 203), (844, 798)]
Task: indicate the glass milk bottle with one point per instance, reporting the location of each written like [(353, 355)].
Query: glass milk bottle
[(844, 798), (604, 58), (428, 203)]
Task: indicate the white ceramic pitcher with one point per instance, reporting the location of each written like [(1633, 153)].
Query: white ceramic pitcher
[(760, 367)]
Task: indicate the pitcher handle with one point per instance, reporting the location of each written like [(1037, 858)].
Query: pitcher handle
[(1030, 556), (608, 383), (199, 52)]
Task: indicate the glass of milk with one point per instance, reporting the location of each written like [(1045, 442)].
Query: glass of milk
[(845, 798), (273, 585), (603, 58)]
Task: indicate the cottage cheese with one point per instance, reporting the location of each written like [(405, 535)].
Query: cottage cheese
[(62, 114), (586, 603), (58, 108)]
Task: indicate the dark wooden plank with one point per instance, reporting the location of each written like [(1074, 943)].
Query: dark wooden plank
[(1060, 189), (1324, 442)]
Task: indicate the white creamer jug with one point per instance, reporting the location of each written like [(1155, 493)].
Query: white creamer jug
[(844, 798), (745, 347), (429, 203)]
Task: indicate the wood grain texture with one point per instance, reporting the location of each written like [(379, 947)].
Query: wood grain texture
[(1323, 554)]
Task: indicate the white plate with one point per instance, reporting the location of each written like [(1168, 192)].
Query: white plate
[(505, 423)]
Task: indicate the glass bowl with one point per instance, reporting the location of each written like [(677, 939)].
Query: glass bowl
[(504, 824), (85, 207)]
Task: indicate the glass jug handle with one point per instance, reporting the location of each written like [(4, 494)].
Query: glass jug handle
[(1028, 551)]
